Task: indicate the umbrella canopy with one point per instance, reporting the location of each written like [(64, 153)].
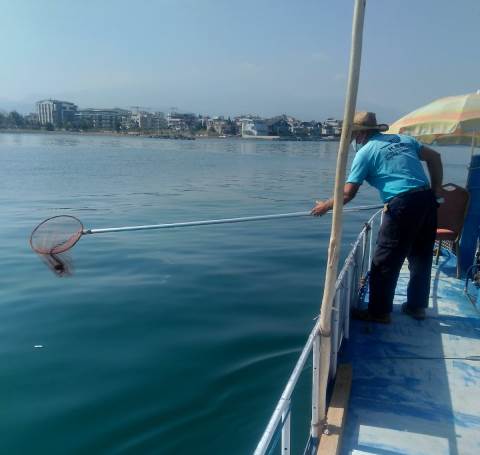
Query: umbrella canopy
[(450, 120)]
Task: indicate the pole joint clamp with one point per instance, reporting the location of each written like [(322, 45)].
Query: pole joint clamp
[(324, 333)]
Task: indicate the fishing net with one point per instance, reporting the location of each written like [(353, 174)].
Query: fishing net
[(52, 239), (56, 235)]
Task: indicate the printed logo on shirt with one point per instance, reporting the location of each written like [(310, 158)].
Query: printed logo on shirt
[(394, 150), (394, 147), (392, 140)]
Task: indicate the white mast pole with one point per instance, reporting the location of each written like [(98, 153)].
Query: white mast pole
[(336, 232)]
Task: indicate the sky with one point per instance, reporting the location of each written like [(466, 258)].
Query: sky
[(225, 57)]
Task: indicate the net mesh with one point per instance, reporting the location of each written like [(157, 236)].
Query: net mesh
[(56, 235)]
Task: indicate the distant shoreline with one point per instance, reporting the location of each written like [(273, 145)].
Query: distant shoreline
[(74, 133), (155, 136)]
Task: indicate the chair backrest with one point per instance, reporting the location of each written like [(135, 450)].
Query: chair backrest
[(451, 214)]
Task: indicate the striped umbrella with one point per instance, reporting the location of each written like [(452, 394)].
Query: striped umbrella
[(450, 120)]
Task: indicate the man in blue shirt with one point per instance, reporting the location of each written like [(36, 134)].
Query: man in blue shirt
[(392, 164)]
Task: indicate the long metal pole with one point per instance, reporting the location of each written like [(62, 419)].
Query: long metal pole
[(219, 221), (336, 233)]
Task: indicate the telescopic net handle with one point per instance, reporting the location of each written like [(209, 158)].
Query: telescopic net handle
[(219, 221)]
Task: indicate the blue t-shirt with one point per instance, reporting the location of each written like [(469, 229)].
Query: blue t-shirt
[(390, 163)]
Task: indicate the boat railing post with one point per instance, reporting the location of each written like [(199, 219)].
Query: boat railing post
[(315, 387), (286, 429), (346, 328), (372, 227), (357, 275), (341, 306), (366, 238), (360, 268), (335, 333), (359, 265)]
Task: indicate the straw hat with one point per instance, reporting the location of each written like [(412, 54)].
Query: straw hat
[(367, 121)]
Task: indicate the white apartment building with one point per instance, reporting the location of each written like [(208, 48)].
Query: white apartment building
[(55, 112), (254, 127)]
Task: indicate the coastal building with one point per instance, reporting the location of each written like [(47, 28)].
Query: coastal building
[(237, 121), (104, 119), (142, 120), (55, 112), (159, 122), (310, 129), (181, 121), (203, 121), (252, 127), (31, 119), (332, 127), (281, 125), (146, 121), (217, 124)]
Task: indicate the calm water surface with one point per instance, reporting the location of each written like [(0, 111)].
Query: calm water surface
[(170, 341)]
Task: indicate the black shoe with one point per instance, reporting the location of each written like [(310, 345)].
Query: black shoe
[(415, 313), (365, 315)]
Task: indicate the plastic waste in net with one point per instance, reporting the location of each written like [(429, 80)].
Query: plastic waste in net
[(60, 264), (52, 239), (56, 235)]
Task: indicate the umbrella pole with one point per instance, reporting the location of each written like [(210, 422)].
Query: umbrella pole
[(474, 139), (336, 231)]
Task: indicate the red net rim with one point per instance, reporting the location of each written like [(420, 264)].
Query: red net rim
[(70, 241)]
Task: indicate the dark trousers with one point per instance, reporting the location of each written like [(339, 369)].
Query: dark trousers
[(407, 231)]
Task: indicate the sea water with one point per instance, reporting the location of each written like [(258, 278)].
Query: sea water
[(162, 342)]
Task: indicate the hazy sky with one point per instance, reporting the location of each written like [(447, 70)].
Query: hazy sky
[(230, 57)]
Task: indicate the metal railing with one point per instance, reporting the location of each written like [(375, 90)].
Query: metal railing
[(348, 285)]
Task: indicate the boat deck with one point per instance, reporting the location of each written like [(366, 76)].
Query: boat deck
[(416, 384)]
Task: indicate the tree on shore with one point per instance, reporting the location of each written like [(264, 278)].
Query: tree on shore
[(12, 120), (85, 125), (16, 120)]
